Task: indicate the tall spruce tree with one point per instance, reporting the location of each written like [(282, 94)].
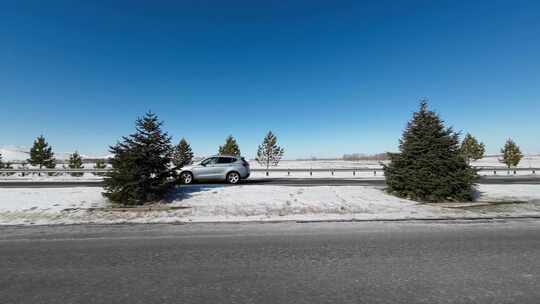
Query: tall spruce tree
[(75, 162), (230, 147), (41, 154), (182, 154), (141, 170), (471, 149), (269, 153), (1, 162), (511, 154), (429, 166)]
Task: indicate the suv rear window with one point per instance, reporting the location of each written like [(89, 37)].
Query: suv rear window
[(226, 160)]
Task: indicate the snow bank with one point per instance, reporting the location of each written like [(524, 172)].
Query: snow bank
[(498, 193), (252, 203)]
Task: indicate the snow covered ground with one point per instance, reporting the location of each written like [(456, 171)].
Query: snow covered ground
[(87, 177), (13, 153), (320, 164), (253, 203), (490, 161), (528, 161)]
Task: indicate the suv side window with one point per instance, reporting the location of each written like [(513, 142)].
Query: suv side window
[(209, 161), (226, 160)]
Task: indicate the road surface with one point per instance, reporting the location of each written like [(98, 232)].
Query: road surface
[(478, 262), (303, 182)]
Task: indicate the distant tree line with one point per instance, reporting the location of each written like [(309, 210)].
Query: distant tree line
[(361, 156)]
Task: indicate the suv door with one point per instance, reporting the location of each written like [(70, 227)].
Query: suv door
[(223, 165), (206, 169)]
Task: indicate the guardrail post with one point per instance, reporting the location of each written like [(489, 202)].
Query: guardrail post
[(266, 172), (534, 172), (353, 172), (288, 172), (514, 172), (494, 172), (310, 172), (374, 173), (332, 170)]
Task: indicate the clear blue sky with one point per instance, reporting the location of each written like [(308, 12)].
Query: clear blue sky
[(328, 77)]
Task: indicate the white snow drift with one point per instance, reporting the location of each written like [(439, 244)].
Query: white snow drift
[(253, 203)]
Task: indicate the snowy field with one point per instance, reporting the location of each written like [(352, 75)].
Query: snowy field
[(29, 206), (18, 154), (87, 177), (320, 164), (491, 161)]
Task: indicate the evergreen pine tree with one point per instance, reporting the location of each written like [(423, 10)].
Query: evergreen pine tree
[(100, 164), (182, 154), (429, 166), (7, 165), (75, 162), (230, 147), (41, 154), (269, 153), (141, 169), (511, 154), (471, 149)]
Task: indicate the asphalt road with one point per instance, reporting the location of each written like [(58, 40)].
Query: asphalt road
[(480, 262), (303, 182)]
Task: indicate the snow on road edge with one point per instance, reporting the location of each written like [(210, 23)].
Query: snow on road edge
[(218, 203)]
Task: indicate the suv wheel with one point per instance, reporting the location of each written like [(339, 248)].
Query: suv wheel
[(233, 178), (186, 178)]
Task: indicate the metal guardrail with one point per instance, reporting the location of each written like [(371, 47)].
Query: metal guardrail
[(494, 170)]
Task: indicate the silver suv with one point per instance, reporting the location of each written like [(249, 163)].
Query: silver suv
[(221, 167)]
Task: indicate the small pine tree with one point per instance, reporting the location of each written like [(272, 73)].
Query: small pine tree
[(182, 154), (52, 165), (100, 164), (471, 149), (511, 154), (269, 153), (230, 147), (8, 165), (75, 162), (429, 166), (141, 170), (41, 154)]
